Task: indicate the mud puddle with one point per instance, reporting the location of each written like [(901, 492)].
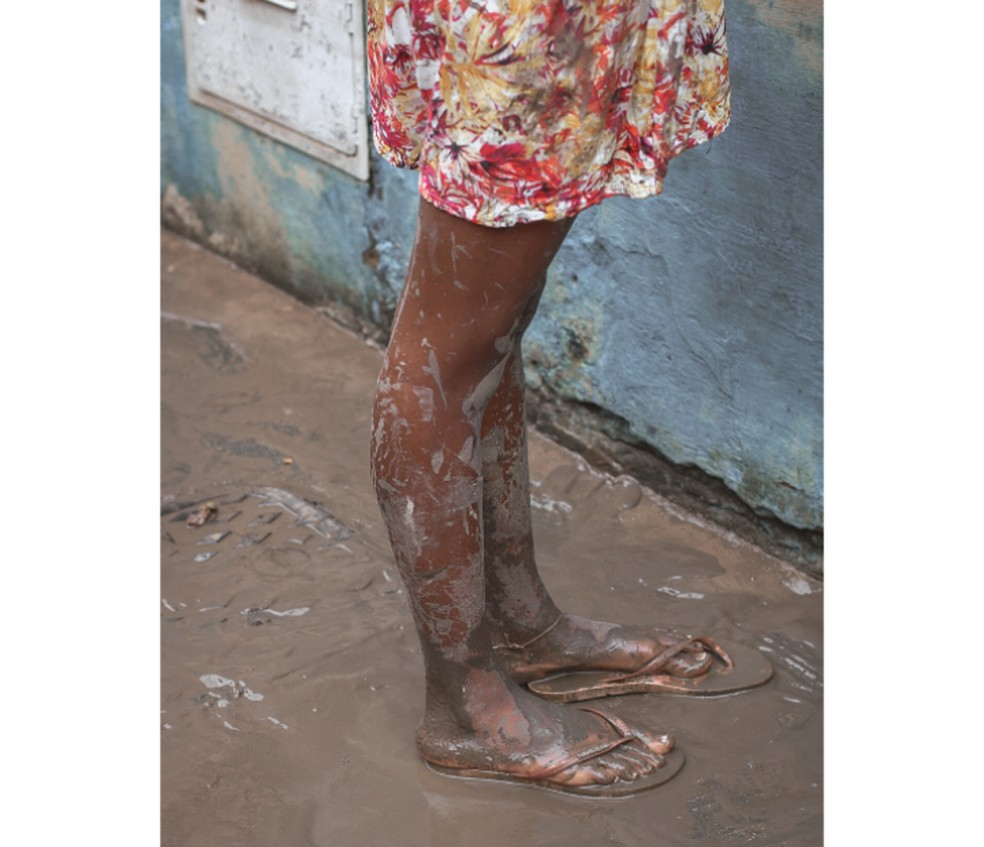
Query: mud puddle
[(291, 676)]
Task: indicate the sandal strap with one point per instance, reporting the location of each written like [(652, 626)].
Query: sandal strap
[(657, 663), (586, 754)]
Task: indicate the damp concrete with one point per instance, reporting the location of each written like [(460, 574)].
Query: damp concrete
[(291, 678)]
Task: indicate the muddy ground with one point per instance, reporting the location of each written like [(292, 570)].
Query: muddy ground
[(291, 676)]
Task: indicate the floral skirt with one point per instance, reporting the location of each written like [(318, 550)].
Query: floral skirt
[(526, 110)]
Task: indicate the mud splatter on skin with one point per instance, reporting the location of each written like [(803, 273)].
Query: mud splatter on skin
[(496, 714), (433, 370), (467, 452), (476, 401), (462, 538), (425, 398), (518, 605), (446, 608), (435, 520), (517, 601)]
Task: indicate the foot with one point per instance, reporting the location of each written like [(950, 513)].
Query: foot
[(498, 729), (575, 643)]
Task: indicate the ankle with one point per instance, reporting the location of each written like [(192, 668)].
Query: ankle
[(514, 634), (456, 702)]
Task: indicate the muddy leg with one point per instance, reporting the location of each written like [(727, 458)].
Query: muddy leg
[(468, 291), (520, 610)]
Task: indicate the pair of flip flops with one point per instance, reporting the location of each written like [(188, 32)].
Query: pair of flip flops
[(733, 670)]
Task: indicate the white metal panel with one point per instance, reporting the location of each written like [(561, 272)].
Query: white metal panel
[(292, 69)]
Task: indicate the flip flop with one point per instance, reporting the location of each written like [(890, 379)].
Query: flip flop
[(739, 668), (672, 762)]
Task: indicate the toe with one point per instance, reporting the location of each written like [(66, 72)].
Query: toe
[(629, 764), (640, 762), (658, 743), (589, 773), (624, 765)]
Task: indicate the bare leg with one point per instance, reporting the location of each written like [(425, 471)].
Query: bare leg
[(520, 610), (469, 292)]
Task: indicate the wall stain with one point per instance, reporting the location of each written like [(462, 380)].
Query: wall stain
[(800, 19)]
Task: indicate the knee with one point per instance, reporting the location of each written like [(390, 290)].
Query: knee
[(447, 389)]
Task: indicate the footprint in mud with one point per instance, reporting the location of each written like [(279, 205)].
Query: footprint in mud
[(281, 561)]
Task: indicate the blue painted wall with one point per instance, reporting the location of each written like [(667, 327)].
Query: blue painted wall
[(695, 316)]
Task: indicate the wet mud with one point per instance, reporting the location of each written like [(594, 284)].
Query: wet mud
[(292, 680)]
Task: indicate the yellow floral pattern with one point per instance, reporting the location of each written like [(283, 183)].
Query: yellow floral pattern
[(524, 110)]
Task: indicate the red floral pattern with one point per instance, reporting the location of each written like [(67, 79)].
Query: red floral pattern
[(524, 110)]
